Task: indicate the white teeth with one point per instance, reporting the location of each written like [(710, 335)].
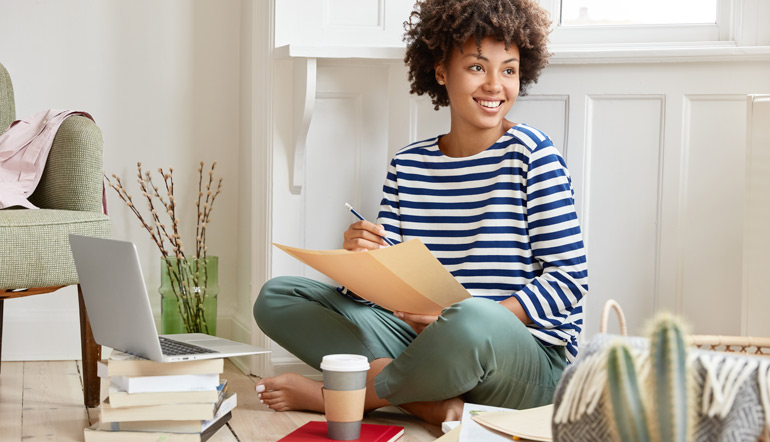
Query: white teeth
[(491, 104)]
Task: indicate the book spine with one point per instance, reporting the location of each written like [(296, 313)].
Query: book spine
[(120, 399), (172, 383), (152, 368), (227, 405), (158, 412), (90, 435)]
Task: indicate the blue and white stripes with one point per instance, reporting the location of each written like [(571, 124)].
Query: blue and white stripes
[(502, 222)]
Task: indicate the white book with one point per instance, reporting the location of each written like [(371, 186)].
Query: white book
[(172, 383), (125, 364), (174, 412), (173, 426), (119, 398)]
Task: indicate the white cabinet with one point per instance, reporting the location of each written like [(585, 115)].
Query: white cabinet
[(363, 23)]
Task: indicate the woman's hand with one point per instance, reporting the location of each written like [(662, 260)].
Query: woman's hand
[(364, 235), (417, 322)]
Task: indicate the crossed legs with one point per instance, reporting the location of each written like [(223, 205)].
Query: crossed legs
[(477, 351)]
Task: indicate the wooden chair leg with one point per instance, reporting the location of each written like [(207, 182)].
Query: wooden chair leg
[(91, 353)]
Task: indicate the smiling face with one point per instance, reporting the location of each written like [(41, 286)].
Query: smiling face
[(482, 85)]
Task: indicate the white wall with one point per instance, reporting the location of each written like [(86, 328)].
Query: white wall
[(162, 80)]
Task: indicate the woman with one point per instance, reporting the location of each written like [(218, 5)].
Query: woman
[(493, 201)]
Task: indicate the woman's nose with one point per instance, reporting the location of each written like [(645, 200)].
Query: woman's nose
[(492, 83)]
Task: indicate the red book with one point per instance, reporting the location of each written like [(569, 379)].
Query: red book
[(316, 431)]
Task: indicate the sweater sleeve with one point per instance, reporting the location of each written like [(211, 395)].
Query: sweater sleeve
[(553, 299), (390, 213)]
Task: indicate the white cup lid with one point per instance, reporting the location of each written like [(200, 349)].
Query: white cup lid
[(343, 362)]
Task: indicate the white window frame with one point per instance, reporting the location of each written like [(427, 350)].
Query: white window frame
[(725, 32), (740, 34)]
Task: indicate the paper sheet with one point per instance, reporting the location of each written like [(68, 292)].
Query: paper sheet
[(531, 424), (472, 431), (405, 277)]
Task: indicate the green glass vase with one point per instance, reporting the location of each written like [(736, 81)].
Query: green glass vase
[(188, 295)]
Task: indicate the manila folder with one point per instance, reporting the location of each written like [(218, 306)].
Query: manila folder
[(405, 277)]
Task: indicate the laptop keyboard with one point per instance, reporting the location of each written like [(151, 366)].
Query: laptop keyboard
[(169, 347)]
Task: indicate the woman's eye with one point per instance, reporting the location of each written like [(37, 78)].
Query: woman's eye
[(476, 68), (510, 71)]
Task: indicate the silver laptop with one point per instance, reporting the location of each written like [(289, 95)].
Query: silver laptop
[(119, 308)]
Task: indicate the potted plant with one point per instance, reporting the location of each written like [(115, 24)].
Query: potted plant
[(189, 282)]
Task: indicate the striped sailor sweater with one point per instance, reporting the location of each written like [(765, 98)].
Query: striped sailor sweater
[(502, 221)]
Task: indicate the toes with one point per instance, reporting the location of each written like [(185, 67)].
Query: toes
[(269, 395), (269, 399), (268, 384), (277, 406), (281, 406)]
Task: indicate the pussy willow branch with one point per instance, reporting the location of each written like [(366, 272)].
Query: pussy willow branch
[(158, 231), (204, 214), (207, 216), (199, 219), (118, 186), (206, 208), (168, 181), (159, 227)]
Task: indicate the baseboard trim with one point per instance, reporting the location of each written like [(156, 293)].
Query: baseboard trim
[(233, 329), (293, 365), (240, 333)]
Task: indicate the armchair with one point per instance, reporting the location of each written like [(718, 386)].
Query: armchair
[(34, 247)]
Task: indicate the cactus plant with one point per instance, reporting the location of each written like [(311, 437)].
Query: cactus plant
[(669, 382), (660, 408), (625, 397)]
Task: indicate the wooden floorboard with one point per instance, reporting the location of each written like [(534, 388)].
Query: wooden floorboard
[(50, 406), (11, 393), (43, 400)]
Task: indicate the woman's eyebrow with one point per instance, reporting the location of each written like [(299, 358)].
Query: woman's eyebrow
[(481, 57)]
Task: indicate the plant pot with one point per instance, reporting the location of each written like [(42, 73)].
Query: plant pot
[(188, 290)]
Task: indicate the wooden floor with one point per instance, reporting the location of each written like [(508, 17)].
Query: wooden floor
[(44, 401)]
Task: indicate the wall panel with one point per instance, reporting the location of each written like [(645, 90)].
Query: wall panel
[(426, 122), (549, 113), (711, 233), (624, 148), (757, 236), (346, 156), (334, 154)]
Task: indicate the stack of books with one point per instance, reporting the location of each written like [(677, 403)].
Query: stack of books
[(169, 401)]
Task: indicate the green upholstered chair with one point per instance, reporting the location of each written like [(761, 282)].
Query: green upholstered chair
[(35, 256)]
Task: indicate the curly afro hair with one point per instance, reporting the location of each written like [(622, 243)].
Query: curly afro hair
[(435, 27)]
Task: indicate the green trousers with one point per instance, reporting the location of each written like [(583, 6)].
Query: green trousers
[(477, 349)]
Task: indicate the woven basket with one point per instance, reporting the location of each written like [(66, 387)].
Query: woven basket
[(730, 344)]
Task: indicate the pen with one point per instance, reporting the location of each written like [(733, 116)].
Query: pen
[(358, 215)]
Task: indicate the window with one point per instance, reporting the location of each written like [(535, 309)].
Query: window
[(641, 22), (648, 12)]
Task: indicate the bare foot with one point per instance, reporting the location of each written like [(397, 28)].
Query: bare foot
[(436, 412), (290, 391)]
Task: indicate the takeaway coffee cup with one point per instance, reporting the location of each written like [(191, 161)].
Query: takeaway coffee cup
[(344, 390)]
